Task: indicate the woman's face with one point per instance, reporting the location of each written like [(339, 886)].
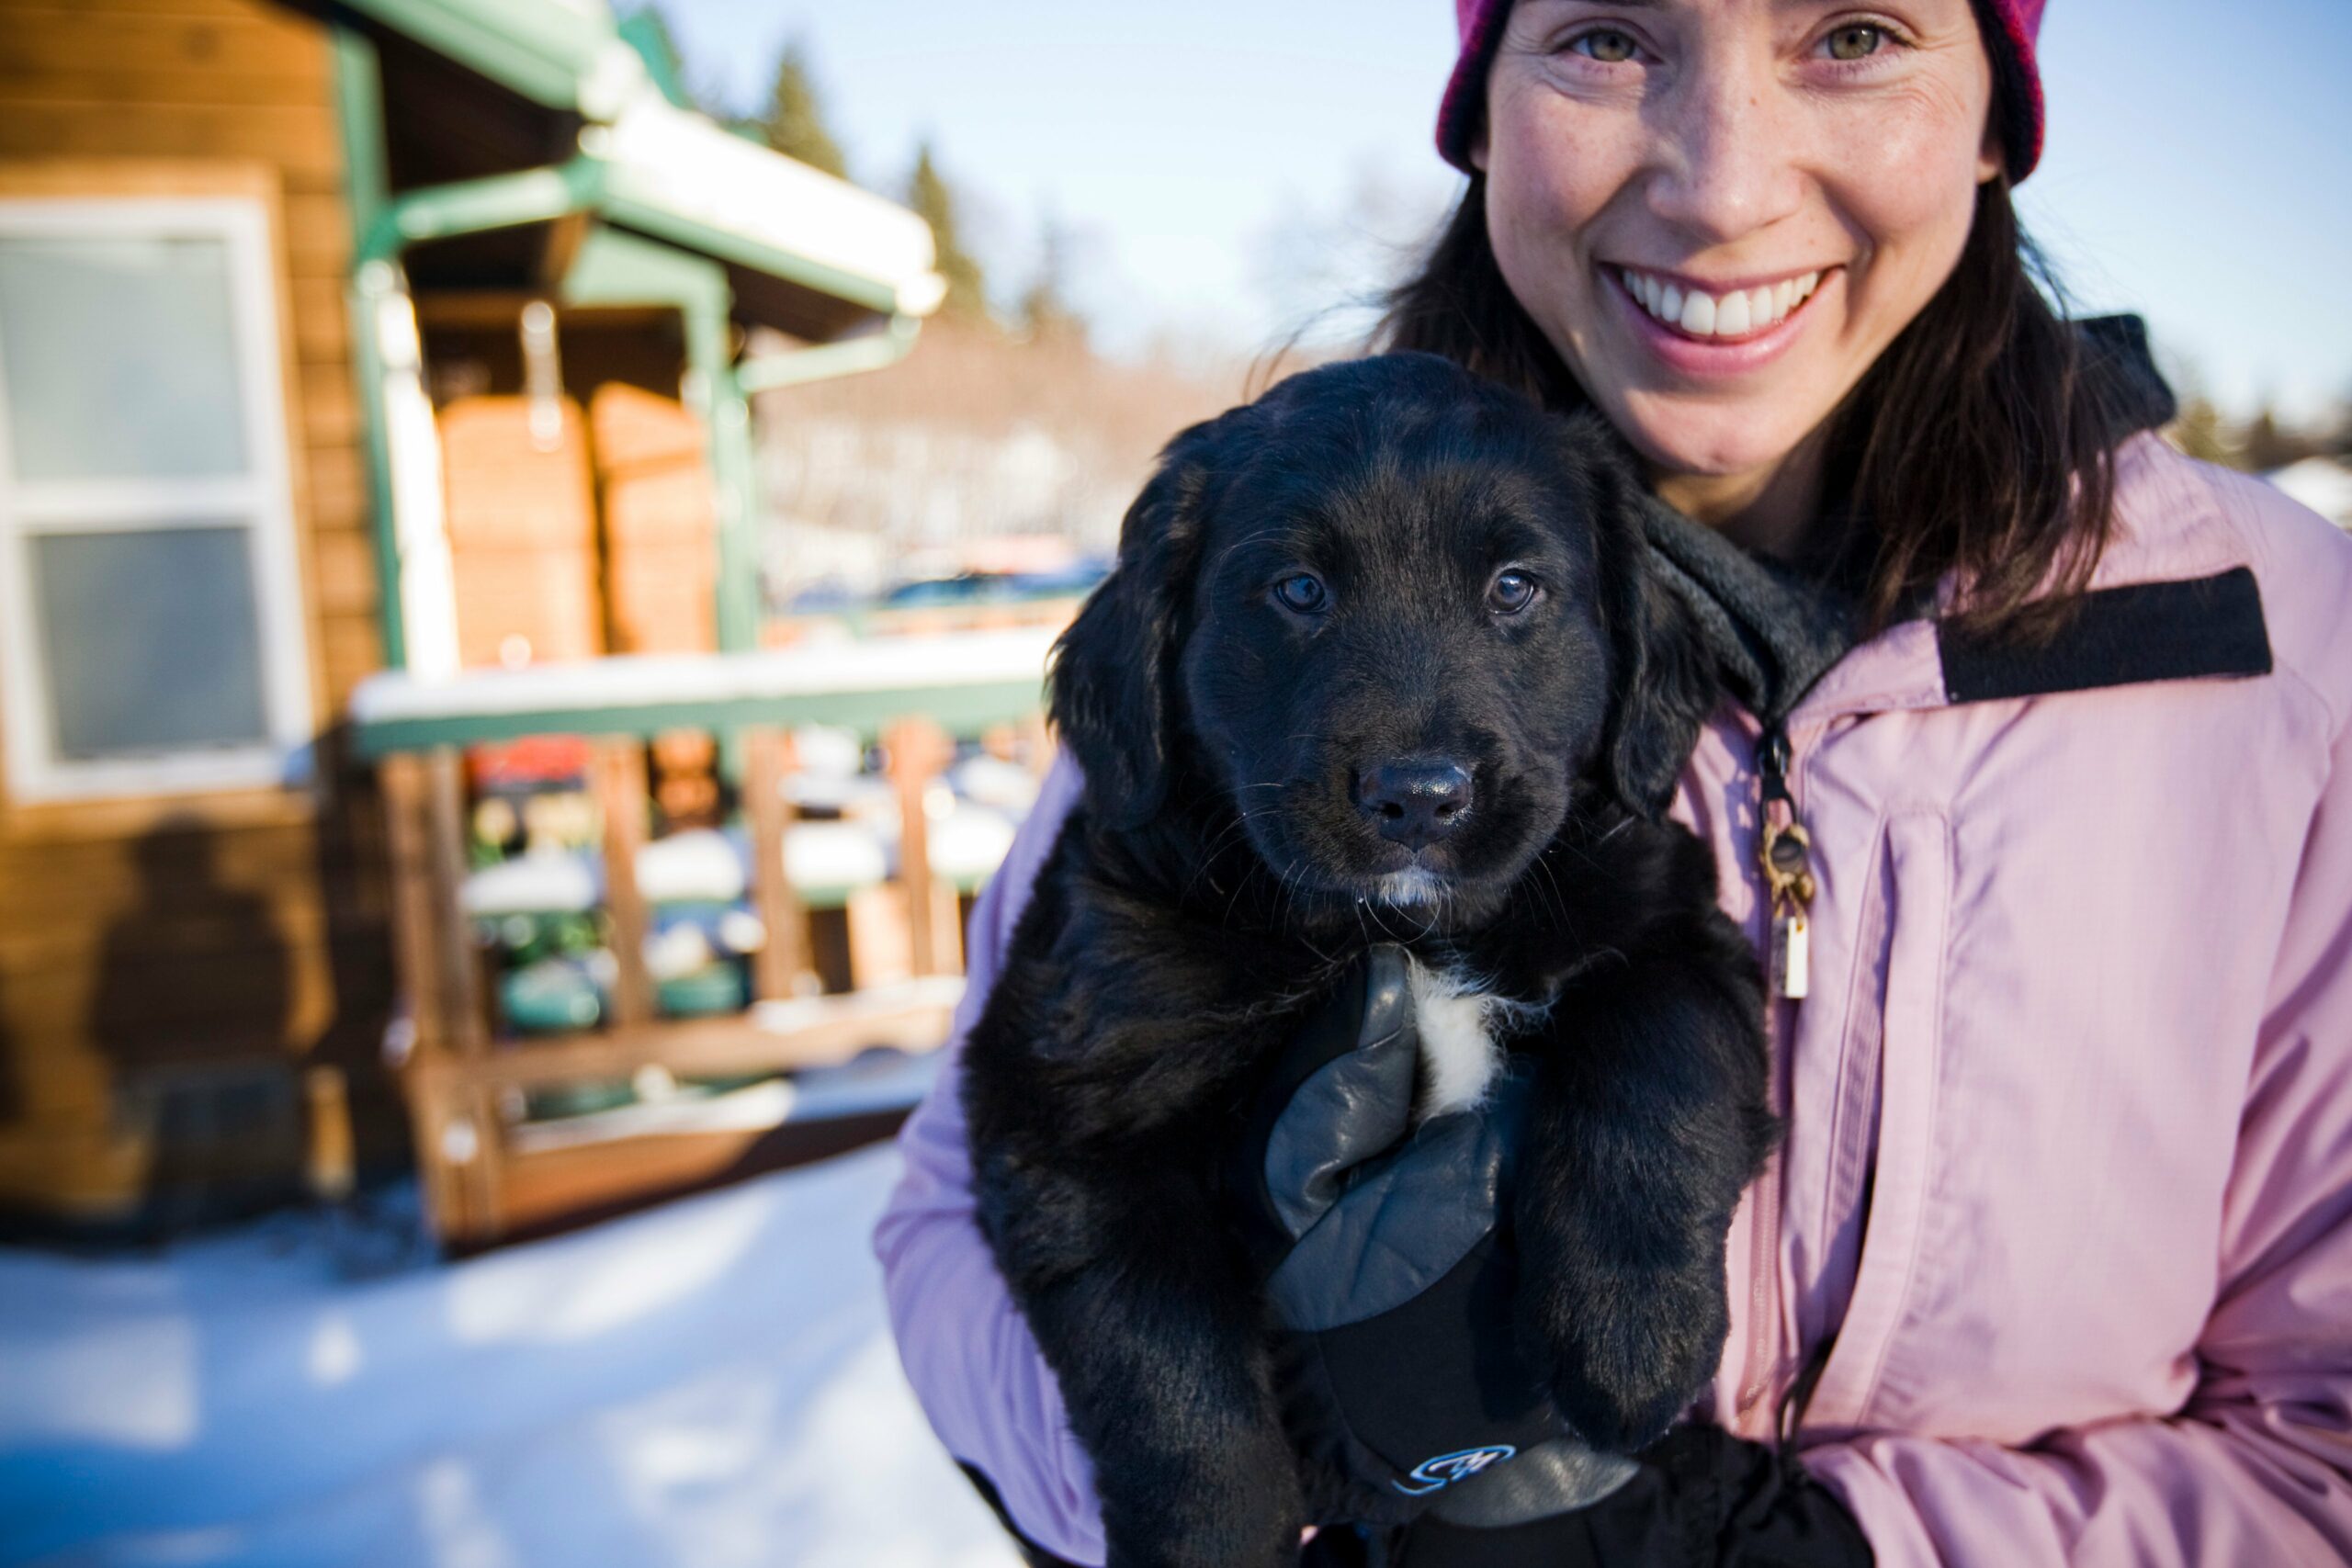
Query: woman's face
[(1711, 160)]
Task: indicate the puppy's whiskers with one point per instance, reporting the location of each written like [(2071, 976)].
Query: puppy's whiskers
[(1551, 892), (1208, 857)]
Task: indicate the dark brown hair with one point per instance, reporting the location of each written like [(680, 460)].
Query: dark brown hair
[(1981, 442)]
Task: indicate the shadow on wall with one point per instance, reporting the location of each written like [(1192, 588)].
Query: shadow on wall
[(189, 1009), (211, 1023)]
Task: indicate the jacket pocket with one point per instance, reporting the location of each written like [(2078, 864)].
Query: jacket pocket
[(1916, 888)]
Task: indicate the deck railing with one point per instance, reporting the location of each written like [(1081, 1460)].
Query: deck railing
[(912, 693)]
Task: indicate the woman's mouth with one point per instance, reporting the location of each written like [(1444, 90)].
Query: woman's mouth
[(1722, 331), (1727, 316)]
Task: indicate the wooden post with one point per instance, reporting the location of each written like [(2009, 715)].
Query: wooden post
[(775, 971), (465, 1006), (416, 958), (471, 1143), (918, 750), (327, 1165), (621, 794)]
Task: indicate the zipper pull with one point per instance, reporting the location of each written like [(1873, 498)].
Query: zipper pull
[(1785, 851)]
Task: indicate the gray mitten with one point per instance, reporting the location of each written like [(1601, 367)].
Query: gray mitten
[(1385, 1251)]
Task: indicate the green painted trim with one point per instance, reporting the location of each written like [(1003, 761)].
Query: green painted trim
[(539, 49), (584, 184), (727, 425), (834, 895), (359, 116), (960, 710), (616, 267), (472, 207), (884, 349)]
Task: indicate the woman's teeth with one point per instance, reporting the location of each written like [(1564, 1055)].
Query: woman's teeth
[(1740, 313)]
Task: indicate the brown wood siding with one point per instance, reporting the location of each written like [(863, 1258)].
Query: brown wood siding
[(146, 944)]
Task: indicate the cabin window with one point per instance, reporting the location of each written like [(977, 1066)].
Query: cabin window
[(151, 635)]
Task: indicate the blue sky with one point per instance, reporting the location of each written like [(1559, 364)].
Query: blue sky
[(1223, 164)]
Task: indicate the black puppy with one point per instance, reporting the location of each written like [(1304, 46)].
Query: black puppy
[(1379, 662)]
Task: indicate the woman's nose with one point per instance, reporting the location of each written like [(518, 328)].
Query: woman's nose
[(1729, 150)]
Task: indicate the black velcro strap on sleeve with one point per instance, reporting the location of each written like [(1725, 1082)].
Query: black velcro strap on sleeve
[(2203, 627)]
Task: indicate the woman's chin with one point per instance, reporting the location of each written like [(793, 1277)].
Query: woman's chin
[(1717, 439)]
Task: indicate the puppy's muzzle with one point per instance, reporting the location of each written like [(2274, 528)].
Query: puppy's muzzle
[(1413, 802)]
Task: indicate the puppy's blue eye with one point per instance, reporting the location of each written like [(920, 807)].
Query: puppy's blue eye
[(1303, 593), (1510, 592)]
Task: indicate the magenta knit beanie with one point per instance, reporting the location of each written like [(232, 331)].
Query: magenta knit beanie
[(2015, 24)]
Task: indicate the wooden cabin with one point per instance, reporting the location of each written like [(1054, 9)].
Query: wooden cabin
[(390, 334)]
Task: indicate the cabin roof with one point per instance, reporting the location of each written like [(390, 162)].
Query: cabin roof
[(474, 90)]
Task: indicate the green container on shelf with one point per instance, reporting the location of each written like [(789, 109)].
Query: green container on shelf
[(550, 996), (714, 988)]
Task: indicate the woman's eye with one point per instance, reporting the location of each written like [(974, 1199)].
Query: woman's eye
[(1859, 42), (1510, 592), (1303, 593), (1606, 45)]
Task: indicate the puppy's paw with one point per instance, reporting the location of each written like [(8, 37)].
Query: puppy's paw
[(1625, 1353), (1239, 1508)]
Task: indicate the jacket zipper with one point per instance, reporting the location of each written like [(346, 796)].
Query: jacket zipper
[(1783, 855)]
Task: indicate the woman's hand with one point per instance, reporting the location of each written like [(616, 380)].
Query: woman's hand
[(1701, 1498), (1383, 1253), (1387, 1260)]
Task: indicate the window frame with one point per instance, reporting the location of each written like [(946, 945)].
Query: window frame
[(261, 501)]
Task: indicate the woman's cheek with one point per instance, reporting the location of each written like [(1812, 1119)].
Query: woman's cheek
[(1905, 158), (1557, 166)]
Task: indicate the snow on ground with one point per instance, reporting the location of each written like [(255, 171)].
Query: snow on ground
[(711, 1384)]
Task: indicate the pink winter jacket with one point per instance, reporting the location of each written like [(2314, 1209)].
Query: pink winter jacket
[(2068, 1172)]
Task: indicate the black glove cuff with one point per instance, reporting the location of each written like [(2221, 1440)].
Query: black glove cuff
[(1702, 1499), (1365, 1397), (1754, 1505)]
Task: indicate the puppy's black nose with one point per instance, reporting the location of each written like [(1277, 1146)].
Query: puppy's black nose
[(1414, 803)]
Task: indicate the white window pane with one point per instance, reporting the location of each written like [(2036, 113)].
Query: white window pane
[(150, 640), (120, 357)]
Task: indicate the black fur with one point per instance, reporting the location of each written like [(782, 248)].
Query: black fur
[(1221, 873)]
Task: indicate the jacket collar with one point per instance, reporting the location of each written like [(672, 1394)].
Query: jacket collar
[(1772, 632), (2173, 596)]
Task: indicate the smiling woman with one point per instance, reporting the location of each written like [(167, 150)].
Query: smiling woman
[(2053, 1262), (1772, 239)]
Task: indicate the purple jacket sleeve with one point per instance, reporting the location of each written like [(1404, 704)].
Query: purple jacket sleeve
[(968, 1353), (2257, 1466)]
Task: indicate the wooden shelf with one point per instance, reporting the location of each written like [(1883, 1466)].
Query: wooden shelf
[(480, 1188)]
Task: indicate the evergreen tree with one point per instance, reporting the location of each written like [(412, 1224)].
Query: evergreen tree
[(2269, 444), (2200, 433), (927, 192), (794, 122), (1045, 309)]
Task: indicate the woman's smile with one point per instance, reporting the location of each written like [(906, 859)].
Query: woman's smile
[(1729, 329)]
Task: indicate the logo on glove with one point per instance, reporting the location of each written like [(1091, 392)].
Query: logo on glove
[(1447, 1469)]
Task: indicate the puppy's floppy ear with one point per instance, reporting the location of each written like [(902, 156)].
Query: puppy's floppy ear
[(1664, 682), (1114, 670)]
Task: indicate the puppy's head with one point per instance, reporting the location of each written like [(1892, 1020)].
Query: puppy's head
[(1386, 615)]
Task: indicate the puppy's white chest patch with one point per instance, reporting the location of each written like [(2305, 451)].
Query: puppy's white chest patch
[(1460, 1054)]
